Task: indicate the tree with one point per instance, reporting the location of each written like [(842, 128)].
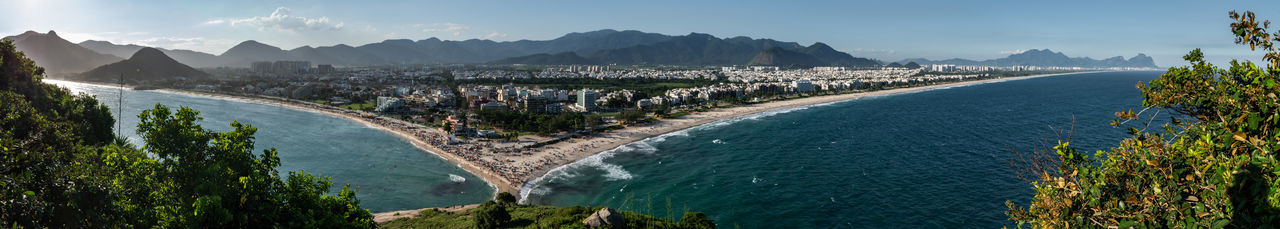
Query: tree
[(505, 198), (49, 140), (1213, 165), (631, 116), (491, 215), (696, 220)]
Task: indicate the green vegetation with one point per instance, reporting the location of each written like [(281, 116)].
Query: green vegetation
[(499, 214), (1213, 164), (542, 124), (631, 116), (677, 114), (63, 168), (359, 106)]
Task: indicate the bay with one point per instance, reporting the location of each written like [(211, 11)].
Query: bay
[(389, 172)]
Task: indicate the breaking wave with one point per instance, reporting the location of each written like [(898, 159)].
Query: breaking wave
[(612, 171), (457, 179)]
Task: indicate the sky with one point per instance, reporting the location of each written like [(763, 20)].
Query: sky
[(884, 30)]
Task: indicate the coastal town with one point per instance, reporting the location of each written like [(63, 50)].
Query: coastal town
[(513, 124)]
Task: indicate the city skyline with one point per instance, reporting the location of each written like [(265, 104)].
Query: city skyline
[(884, 31)]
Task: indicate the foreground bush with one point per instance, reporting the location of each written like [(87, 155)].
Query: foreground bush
[(1213, 165)]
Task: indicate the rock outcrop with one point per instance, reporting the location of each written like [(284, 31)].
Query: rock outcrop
[(606, 217)]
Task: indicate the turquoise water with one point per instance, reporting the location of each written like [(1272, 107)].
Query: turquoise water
[(931, 159), (390, 172)]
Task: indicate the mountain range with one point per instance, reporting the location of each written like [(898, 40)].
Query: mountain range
[(1045, 58), (597, 47), (704, 49)]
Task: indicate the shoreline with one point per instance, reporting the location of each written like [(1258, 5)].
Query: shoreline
[(553, 157)]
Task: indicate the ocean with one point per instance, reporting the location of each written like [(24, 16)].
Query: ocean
[(929, 159), (390, 172)]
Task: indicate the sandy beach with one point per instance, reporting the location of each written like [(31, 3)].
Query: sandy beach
[(510, 170)]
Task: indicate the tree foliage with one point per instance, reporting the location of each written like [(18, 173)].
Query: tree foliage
[(1213, 165), (48, 140), (490, 215), (540, 123), (63, 168), (505, 198)]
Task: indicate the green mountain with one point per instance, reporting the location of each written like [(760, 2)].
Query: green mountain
[(836, 58), (704, 49), (148, 64), (602, 47), (775, 56)]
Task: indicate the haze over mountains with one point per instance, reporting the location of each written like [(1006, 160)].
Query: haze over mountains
[(629, 47), (147, 64), (1046, 58)]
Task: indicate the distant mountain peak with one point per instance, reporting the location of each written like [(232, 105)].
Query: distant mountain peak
[(602, 31), (82, 43), (701, 36), (149, 53), (58, 56), (145, 65)]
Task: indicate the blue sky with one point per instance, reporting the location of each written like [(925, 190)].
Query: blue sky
[(886, 30)]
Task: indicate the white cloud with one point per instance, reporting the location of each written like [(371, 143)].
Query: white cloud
[(282, 20), (873, 51), (189, 43), (495, 35), (452, 28), (1012, 52)]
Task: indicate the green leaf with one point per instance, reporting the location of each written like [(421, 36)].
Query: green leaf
[(1221, 223), (29, 193)]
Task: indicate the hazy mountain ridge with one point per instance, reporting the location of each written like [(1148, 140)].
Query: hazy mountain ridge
[(193, 58), (705, 49), (58, 56), (601, 46), (1045, 58), (564, 58)]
